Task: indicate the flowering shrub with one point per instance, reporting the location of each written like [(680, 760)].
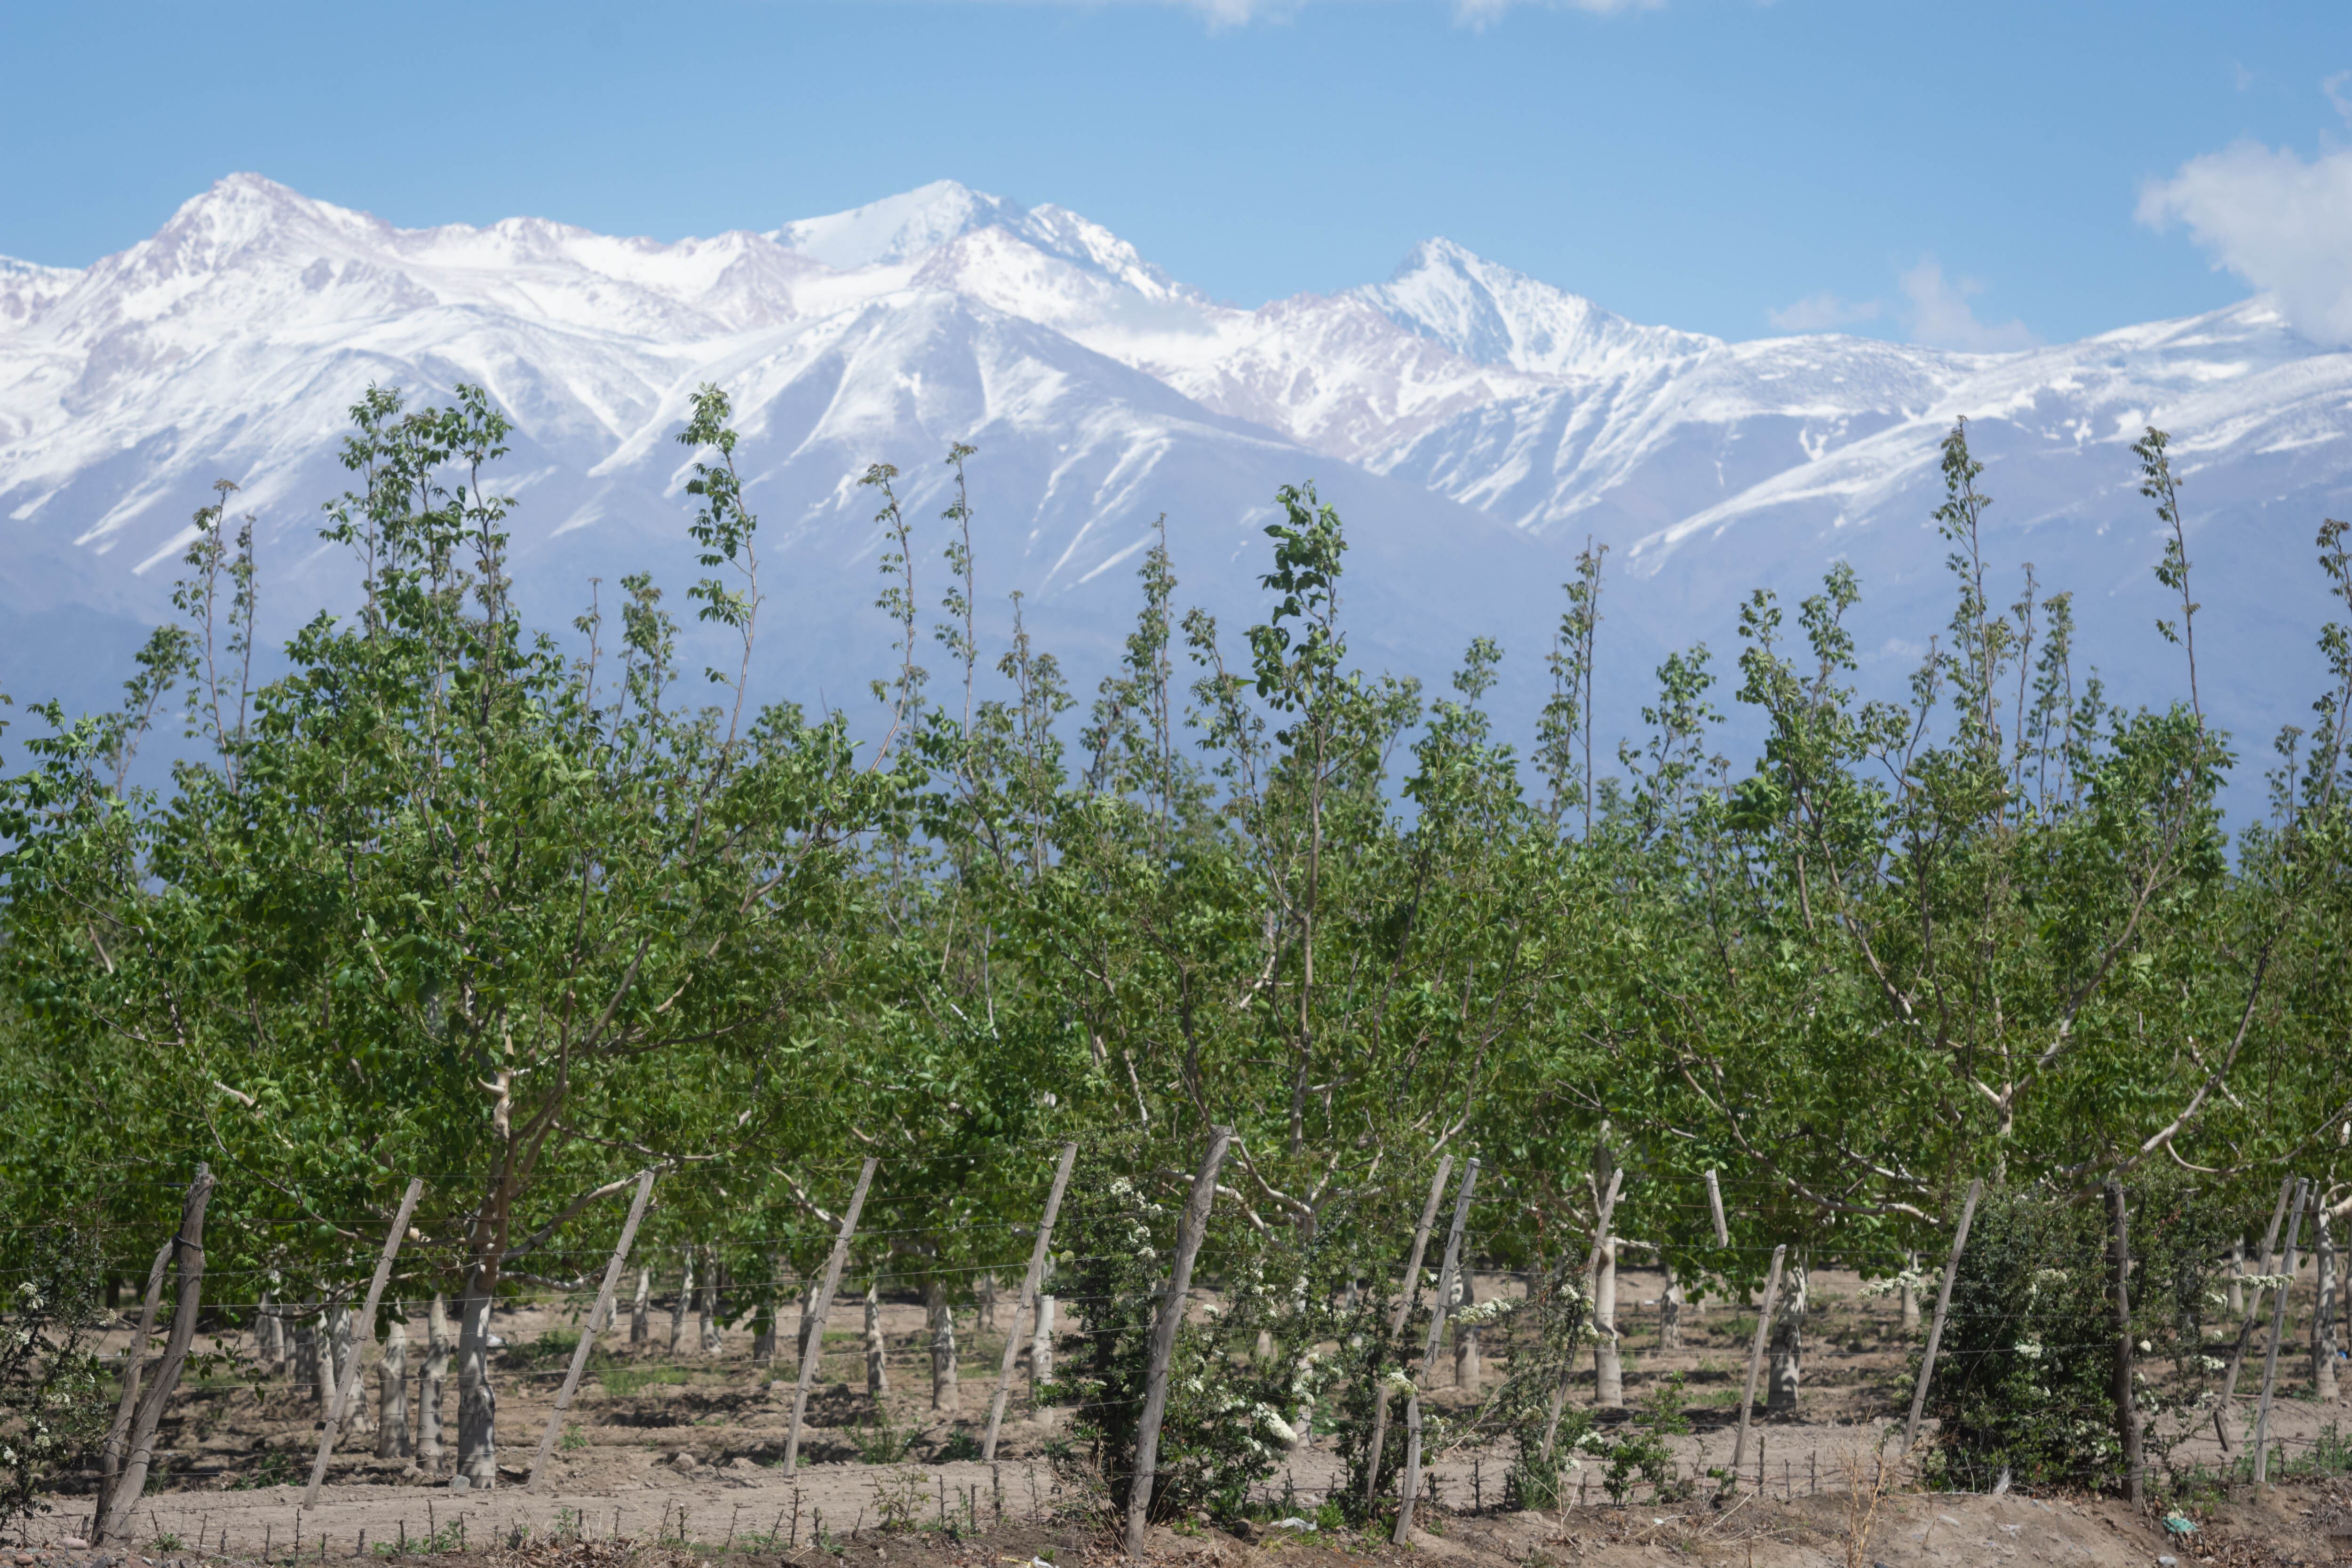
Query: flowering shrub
[(54, 1403), (2025, 1379), (1230, 1416)]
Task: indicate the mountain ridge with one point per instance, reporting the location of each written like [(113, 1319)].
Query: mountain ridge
[(1482, 422)]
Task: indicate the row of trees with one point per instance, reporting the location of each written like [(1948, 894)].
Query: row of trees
[(523, 913)]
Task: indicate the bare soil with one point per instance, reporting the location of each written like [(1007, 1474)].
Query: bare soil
[(666, 1459)]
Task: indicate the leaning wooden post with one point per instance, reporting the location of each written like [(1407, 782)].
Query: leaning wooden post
[(366, 1327), (1715, 1209), (2278, 1327), (1411, 1485), (1031, 1283), (134, 1363), (814, 1336), (1756, 1355), (189, 1250), (1190, 1230), (2126, 1418), (2254, 1301), (1943, 1306), (1602, 1221), (596, 1317), (1405, 1299)]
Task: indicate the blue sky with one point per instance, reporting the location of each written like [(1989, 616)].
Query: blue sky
[(1974, 174)]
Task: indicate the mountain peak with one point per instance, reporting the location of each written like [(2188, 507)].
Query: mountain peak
[(1496, 315), (896, 228)]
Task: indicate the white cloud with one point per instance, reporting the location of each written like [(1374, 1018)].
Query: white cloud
[(2282, 225), (1823, 312), (1940, 315), (1479, 14)]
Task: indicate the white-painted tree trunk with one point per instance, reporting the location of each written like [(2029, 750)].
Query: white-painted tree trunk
[(685, 1303), (1041, 1348), (984, 1295), (303, 1335), (2323, 1316), (878, 1372), (477, 1401), (345, 1338), (1907, 1296), (1608, 1359), (1670, 1313), (430, 1384), (322, 1361), (269, 1335), (1788, 1340), (710, 1309), (1466, 1371), (944, 1395), (2237, 1274), (391, 1439), (641, 1330)]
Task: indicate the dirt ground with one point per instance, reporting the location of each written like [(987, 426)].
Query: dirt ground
[(669, 1457)]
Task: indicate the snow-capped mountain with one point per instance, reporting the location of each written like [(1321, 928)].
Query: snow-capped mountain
[(1474, 425)]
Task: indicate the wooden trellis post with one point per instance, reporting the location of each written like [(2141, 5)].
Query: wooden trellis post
[(1030, 1284), (1943, 1305), (814, 1337), (1756, 1357), (1411, 1483), (351, 1377), (596, 1316), (1190, 1228)]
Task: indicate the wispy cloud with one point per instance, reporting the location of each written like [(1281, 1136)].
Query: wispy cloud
[(1481, 14), (2281, 223), (1823, 312), (1938, 313), (1475, 15)]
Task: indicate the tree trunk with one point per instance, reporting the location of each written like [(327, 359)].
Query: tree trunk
[(2323, 1315), (322, 1363), (1465, 1339), (1907, 1295), (391, 1440), (709, 1302), (1670, 1313), (878, 1376), (1608, 1361), (429, 1451), (764, 1320), (305, 1337), (2237, 1274), (1041, 1348), (113, 1518), (270, 1336), (1788, 1340), (477, 1402), (943, 1343), (984, 1295), (344, 1337), (640, 1310), (685, 1303)]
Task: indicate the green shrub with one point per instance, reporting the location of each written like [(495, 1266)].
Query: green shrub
[(55, 1400), (2025, 1379), (1228, 1422)]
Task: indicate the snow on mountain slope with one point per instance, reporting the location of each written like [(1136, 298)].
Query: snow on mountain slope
[(1496, 316), (1475, 423), (232, 342), (26, 289)]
